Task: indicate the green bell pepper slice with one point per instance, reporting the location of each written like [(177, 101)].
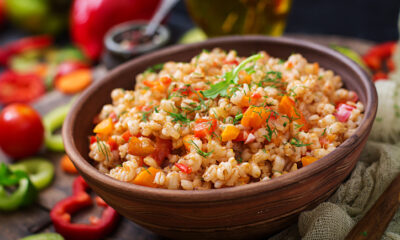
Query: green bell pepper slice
[(40, 171), (52, 121), (44, 236), (24, 194)]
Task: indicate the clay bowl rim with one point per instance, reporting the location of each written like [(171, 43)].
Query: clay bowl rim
[(230, 193)]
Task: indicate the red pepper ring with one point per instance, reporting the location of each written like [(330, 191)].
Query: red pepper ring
[(61, 215)]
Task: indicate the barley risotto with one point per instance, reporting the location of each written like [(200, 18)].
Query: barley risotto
[(222, 120)]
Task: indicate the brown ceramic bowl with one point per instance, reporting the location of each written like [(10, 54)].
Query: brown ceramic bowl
[(251, 210)]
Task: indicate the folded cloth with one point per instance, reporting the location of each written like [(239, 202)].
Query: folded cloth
[(378, 165)]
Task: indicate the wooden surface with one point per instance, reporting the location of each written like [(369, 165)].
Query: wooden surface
[(375, 221), (36, 218)]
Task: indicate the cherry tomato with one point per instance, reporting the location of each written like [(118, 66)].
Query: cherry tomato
[(20, 88), (21, 129)]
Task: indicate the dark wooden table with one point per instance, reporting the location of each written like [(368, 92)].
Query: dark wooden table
[(35, 219)]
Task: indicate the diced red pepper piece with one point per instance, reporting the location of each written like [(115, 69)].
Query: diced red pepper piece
[(62, 211), (162, 150), (126, 135), (113, 144), (184, 168), (379, 76), (234, 62), (204, 127), (93, 139), (113, 117), (343, 112), (166, 80)]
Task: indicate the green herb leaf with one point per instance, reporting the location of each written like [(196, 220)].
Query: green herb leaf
[(199, 151), (231, 77), (155, 68), (237, 118), (298, 143), (177, 117)]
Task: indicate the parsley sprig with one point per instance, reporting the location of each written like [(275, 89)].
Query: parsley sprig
[(298, 143), (199, 151), (178, 117), (220, 88)]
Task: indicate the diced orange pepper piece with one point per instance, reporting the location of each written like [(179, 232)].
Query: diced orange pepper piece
[(255, 117), (146, 177), (244, 77), (307, 160), (67, 165), (105, 127), (187, 141), (140, 147), (287, 106), (230, 132)]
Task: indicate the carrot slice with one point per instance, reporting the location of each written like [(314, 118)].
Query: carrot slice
[(74, 82), (67, 165)]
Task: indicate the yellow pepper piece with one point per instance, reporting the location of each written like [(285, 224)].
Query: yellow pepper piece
[(230, 132), (307, 160), (146, 177), (105, 127)]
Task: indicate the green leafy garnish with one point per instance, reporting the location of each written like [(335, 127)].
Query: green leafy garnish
[(220, 89), (237, 118), (298, 143), (177, 117), (102, 147), (155, 68), (199, 151)]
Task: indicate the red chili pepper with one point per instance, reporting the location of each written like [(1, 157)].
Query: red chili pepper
[(379, 76), (163, 149), (61, 215), (204, 127), (343, 111), (20, 88), (113, 144), (379, 59), (23, 44), (184, 168)]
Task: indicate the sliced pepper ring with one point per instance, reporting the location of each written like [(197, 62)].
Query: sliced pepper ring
[(52, 121), (62, 211), (40, 171), (24, 194), (44, 236)]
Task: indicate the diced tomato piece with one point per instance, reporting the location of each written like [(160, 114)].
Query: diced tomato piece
[(343, 112), (235, 62), (148, 83), (113, 144), (204, 127), (242, 136), (184, 168), (256, 95), (163, 149), (93, 139)]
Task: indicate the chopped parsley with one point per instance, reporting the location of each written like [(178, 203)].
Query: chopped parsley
[(298, 143), (102, 147), (220, 88), (323, 134)]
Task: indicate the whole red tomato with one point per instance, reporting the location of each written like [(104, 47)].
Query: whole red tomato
[(21, 130)]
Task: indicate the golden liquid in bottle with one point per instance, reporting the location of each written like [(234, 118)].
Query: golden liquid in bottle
[(233, 17)]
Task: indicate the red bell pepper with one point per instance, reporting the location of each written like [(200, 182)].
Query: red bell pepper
[(61, 215), (91, 19), (378, 59), (343, 112), (23, 44), (184, 168), (20, 88), (204, 127)]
